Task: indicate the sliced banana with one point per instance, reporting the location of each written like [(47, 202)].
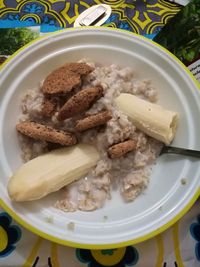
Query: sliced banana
[(150, 118), (51, 171)]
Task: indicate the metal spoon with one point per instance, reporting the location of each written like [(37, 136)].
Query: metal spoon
[(180, 151)]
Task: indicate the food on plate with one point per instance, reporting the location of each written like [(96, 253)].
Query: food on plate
[(49, 106), (51, 171), (65, 78), (60, 82), (80, 102), (150, 118), (79, 68), (121, 149), (92, 121), (46, 133), (91, 112)]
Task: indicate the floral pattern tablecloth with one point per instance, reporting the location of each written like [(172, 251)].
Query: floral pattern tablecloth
[(179, 246)]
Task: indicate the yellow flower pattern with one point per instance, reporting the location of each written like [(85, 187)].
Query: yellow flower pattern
[(9, 235)]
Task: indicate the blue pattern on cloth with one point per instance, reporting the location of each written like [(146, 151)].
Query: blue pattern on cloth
[(128, 257), (139, 16), (9, 235), (195, 232)]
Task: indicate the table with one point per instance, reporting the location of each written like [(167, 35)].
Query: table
[(179, 246)]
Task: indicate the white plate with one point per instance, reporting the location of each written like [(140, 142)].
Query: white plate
[(166, 198)]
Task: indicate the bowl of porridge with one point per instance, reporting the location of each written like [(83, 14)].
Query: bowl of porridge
[(84, 115)]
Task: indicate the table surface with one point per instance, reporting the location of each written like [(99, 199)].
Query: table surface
[(179, 246)]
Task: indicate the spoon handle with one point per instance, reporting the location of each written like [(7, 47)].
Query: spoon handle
[(180, 151)]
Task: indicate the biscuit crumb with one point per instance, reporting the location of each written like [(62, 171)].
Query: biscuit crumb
[(183, 181), (49, 219), (71, 226), (105, 218)]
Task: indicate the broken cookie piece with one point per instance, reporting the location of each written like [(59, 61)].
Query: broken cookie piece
[(79, 68), (93, 121), (60, 81), (120, 149), (49, 106), (65, 78), (80, 102), (46, 133)]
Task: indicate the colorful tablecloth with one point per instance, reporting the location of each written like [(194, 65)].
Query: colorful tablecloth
[(139, 16), (179, 246)]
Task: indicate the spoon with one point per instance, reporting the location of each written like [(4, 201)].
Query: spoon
[(180, 151)]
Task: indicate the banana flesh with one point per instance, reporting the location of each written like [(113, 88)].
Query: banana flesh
[(150, 118), (51, 171)]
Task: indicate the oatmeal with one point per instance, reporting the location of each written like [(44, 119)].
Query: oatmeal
[(86, 113)]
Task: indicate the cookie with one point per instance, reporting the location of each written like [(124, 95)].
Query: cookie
[(60, 81), (64, 79), (80, 102), (93, 121), (120, 149), (46, 133)]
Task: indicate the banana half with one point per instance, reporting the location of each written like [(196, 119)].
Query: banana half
[(152, 119), (51, 171)]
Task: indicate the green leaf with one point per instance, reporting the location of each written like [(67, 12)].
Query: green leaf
[(13, 39)]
